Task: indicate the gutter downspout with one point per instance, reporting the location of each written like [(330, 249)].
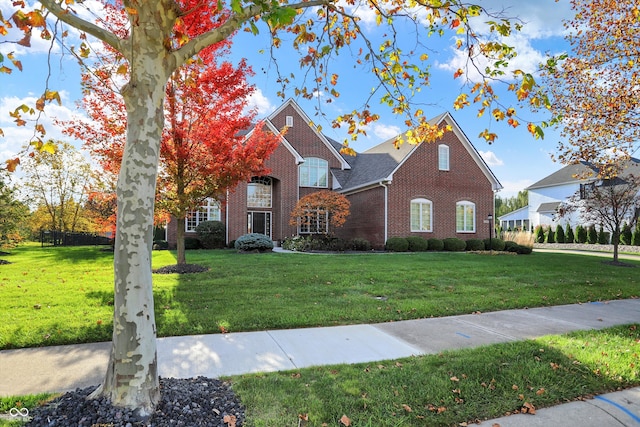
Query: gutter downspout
[(386, 210)]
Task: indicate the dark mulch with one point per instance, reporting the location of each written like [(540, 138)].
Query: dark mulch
[(2, 261), (618, 264), (181, 269), (188, 402)]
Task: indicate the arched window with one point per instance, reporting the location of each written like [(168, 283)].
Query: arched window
[(314, 172), (259, 192), (465, 217), (421, 215)]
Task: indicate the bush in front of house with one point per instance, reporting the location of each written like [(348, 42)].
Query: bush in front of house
[(551, 236), (510, 246), (603, 237), (635, 238), (453, 244), (568, 234), (212, 234), (397, 244), (191, 243), (496, 244), (254, 242), (539, 234), (475, 245), (360, 244), (417, 244), (559, 235), (159, 245), (435, 244), (592, 235)]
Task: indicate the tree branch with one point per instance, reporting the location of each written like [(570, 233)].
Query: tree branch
[(69, 18)]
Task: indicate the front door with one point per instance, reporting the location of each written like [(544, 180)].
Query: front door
[(259, 222)]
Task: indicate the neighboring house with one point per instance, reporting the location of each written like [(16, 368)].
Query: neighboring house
[(547, 195), (515, 220), (442, 189)]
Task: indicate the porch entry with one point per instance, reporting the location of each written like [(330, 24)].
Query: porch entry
[(259, 222)]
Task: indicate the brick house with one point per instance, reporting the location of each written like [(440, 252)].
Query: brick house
[(441, 189)]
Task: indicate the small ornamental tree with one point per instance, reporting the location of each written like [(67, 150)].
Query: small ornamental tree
[(568, 234), (539, 234), (603, 236), (635, 238), (581, 234), (318, 212)]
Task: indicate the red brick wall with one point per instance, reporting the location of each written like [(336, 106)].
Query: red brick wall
[(366, 218), (419, 177)]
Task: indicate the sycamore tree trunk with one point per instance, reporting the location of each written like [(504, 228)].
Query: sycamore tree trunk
[(131, 380), (180, 223)]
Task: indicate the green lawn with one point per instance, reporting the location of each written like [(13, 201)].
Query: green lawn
[(65, 295)]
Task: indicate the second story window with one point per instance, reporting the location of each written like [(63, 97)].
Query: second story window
[(443, 157), (259, 192), (314, 173)]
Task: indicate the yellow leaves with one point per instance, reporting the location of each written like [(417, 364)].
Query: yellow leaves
[(498, 114), (461, 101), (424, 57), (458, 73), (122, 69), (48, 96), (490, 137)]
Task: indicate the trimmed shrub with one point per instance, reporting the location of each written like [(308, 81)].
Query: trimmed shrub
[(437, 244), (551, 236), (581, 234), (510, 246), (568, 234), (417, 244), (232, 244), (559, 234), (496, 244), (475, 245), (159, 245), (635, 238), (453, 244), (592, 235), (625, 234), (191, 243), (524, 250), (397, 244), (212, 234), (360, 244), (539, 234), (254, 242)]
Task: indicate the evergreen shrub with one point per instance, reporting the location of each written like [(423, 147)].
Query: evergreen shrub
[(592, 235), (551, 236), (625, 234), (397, 244), (212, 234), (496, 244), (568, 234), (539, 231), (559, 234), (254, 242), (360, 244), (581, 234), (438, 244), (191, 243), (475, 245), (417, 244), (453, 244)]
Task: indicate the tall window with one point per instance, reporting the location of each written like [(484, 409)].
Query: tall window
[(443, 157), (421, 215), (314, 172), (465, 217), (315, 222), (209, 211), (259, 192)]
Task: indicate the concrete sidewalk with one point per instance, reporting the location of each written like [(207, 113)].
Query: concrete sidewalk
[(64, 368)]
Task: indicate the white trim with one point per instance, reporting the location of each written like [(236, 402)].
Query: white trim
[(421, 201), (465, 203)]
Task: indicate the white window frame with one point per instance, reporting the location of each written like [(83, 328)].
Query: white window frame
[(257, 194), (210, 211), (421, 204), (443, 157), (468, 213), (312, 172), (289, 121), (319, 226)]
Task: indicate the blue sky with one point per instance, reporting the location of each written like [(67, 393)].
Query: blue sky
[(516, 158)]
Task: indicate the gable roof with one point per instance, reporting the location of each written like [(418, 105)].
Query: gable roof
[(570, 174), (379, 163), (290, 102)]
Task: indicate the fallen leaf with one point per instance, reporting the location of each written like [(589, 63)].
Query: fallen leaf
[(515, 387), (528, 408), (407, 408), (540, 392), (230, 419), (454, 379), (345, 421), (495, 425)]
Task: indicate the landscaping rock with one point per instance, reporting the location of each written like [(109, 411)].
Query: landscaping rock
[(189, 402)]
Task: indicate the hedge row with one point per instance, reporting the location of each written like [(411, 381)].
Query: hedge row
[(589, 235), (452, 244)]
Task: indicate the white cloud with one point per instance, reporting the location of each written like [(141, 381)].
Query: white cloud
[(491, 159), (511, 188), (385, 132), (261, 103)]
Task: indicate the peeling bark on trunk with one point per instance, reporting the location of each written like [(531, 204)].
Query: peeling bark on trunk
[(131, 379)]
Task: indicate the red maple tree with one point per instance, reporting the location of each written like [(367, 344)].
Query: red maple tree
[(206, 146)]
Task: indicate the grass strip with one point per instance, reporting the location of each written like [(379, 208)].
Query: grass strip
[(450, 388), (58, 295)]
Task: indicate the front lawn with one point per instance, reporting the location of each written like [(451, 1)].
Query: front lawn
[(65, 295)]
